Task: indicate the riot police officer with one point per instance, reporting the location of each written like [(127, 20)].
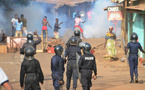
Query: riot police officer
[(31, 71), (57, 67), (87, 63), (133, 46), (30, 42), (77, 36), (70, 54)]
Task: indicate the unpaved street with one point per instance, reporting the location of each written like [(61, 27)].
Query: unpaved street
[(112, 75)]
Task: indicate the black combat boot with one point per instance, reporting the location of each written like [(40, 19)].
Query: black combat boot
[(67, 88), (136, 79), (132, 81)]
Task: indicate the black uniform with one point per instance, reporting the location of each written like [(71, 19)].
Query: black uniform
[(33, 44), (87, 63), (33, 72), (71, 65), (77, 38)]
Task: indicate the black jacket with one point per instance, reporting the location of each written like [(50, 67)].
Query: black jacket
[(57, 66), (87, 61), (71, 52), (33, 44), (78, 40), (31, 67)]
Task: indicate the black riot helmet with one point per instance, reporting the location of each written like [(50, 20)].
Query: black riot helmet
[(29, 51), (58, 50), (73, 41), (77, 33), (86, 48), (134, 37), (29, 38)]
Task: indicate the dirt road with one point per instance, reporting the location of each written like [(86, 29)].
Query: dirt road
[(112, 75)]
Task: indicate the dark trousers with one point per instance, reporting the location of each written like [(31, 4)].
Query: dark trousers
[(31, 83), (86, 76), (44, 33), (133, 63), (55, 77), (71, 70), (13, 31)]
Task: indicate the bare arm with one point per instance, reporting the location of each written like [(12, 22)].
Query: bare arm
[(49, 24), (7, 86), (59, 24), (105, 43)]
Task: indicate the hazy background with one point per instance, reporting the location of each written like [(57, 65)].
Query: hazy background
[(34, 13)]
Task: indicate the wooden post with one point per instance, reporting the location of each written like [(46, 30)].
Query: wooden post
[(125, 20), (10, 45), (46, 36), (144, 34), (42, 39)]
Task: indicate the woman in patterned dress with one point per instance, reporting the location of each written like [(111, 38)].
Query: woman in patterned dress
[(110, 43)]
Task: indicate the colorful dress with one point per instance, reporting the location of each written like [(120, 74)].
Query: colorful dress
[(111, 47)]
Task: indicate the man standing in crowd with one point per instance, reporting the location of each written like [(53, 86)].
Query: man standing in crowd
[(44, 27), (87, 63), (4, 81), (77, 24), (24, 21), (13, 21), (70, 55), (57, 68), (31, 71), (77, 36), (133, 46), (74, 14), (19, 28), (56, 27)]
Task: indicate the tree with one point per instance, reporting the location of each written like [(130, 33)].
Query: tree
[(10, 3)]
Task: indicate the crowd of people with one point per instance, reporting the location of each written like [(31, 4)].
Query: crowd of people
[(19, 25)]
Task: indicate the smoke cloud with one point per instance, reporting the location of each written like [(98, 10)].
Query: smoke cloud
[(34, 14), (2, 20), (98, 26)]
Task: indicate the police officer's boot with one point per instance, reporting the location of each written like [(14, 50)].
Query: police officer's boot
[(74, 88), (136, 79), (132, 81)]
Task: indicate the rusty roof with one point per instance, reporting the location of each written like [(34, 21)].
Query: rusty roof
[(140, 7), (64, 2)]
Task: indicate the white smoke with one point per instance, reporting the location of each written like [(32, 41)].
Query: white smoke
[(2, 20), (98, 26), (34, 14)]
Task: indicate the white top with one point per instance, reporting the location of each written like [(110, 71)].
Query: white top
[(3, 76), (77, 21), (14, 20)]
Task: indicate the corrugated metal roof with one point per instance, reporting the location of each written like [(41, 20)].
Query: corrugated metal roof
[(64, 2), (140, 7)]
